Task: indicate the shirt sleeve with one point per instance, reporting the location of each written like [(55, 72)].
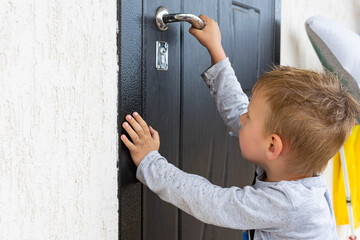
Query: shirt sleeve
[(230, 99), (235, 208)]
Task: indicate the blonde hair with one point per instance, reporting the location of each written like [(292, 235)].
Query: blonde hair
[(310, 111)]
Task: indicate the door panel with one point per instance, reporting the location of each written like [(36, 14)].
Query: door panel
[(246, 55), (208, 149), (162, 111), (202, 127), (178, 104)]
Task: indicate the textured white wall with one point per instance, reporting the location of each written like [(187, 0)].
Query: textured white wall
[(296, 49), (58, 110)]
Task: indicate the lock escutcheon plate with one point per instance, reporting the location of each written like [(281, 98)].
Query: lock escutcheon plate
[(162, 49)]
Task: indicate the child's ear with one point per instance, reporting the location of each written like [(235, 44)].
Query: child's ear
[(275, 147)]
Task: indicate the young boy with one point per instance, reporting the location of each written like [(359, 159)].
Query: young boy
[(296, 121)]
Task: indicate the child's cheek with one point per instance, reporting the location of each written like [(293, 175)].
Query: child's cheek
[(244, 142), (241, 139)]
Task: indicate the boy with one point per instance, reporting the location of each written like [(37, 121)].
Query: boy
[(296, 121)]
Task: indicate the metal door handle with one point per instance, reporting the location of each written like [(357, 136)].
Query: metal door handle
[(163, 19)]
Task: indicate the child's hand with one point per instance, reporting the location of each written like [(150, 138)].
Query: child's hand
[(210, 37), (144, 139)]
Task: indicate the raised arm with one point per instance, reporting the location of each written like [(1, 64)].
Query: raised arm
[(224, 87), (232, 103)]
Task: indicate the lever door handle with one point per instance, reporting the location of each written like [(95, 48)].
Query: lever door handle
[(163, 19)]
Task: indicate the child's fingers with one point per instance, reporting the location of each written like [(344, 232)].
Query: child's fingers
[(204, 18), (136, 126), (193, 31), (152, 131), (154, 134), (127, 142), (130, 131), (141, 121)]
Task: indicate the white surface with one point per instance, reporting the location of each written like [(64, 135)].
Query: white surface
[(296, 49), (58, 110), (337, 42)]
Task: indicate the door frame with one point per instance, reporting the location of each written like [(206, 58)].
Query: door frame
[(131, 97)]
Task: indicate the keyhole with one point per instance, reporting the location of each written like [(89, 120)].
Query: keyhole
[(162, 55), (162, 51)]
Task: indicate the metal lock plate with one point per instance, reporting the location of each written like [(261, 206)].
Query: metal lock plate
[(162, 49)]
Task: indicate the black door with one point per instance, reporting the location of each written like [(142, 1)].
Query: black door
[(178, 104)]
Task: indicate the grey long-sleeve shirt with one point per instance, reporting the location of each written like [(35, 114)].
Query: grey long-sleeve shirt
[(299, 209)]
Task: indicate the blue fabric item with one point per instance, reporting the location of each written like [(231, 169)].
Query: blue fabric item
[(245, 236)]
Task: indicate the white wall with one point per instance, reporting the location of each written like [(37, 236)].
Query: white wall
[(296, 49), (58, 110)]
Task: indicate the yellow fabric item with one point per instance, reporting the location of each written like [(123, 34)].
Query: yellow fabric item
[(352, 155)]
